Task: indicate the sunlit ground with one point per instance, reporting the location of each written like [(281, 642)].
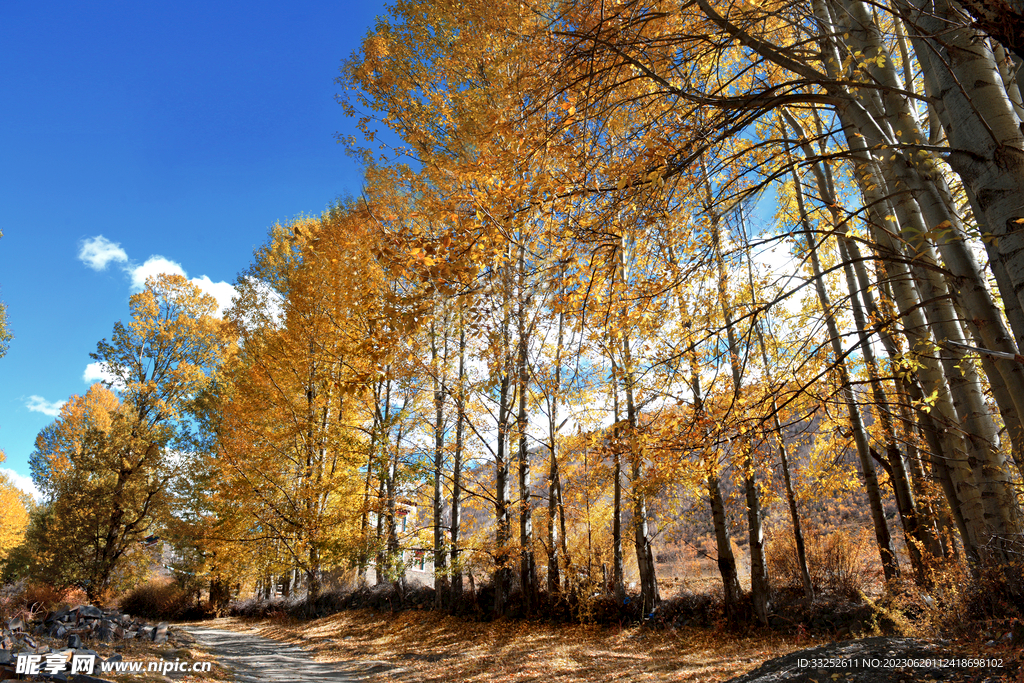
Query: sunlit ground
[(426, 646)]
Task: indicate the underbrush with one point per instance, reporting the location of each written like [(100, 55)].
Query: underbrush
[(477, 605), (959, 602), (829, 615), (27, 599), (840, 563), (850, 600), (702, 610), (164, 600)]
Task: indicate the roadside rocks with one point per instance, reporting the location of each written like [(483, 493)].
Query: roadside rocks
[(74, 627)]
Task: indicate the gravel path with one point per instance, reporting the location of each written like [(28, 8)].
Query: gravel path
[(256, 659)]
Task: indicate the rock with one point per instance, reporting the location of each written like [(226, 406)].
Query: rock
[(88, 612), (77, 625), (6, 657)]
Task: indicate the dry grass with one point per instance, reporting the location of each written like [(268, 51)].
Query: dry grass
[(435, 648)]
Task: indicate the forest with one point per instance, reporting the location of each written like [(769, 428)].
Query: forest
[(640, 299)]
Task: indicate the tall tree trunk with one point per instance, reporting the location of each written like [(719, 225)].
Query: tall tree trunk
[(440, 577), (456, 518), (935, 210), (312, 576), (950, 464), (554, 490), (759, 589), (726, 559), (393, 553), (731, 591), (644, 553), (379, 564), (794, 515), (501, 466), (563, 537), (893, 462), (979, 116), (618, 575), (382, 428), (869, 478), (364, 517), (527, 561)]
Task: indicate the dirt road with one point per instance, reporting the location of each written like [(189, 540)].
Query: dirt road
[(258, 659)]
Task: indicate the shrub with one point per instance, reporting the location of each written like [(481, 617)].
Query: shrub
[(161, 600), (689, 609), (961, 602), (258, 608), (25, 599), (51, 598), (840, 562)]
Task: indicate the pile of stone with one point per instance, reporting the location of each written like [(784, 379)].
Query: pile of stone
[(87, 621), (73, 627)]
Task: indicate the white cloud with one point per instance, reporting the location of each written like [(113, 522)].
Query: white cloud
[(154, 265), (157, 265), (96, 372), (22, 482), (38, 404), (221, 291), (97, 252)]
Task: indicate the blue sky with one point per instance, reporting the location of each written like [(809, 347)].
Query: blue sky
[(176, 131)]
